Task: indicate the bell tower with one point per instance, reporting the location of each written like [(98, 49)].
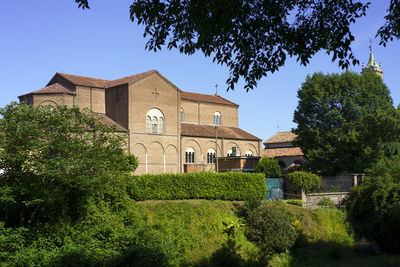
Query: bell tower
[(372, 66)]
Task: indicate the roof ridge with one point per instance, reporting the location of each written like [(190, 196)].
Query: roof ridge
[(110, 84), (54, 86), (61, 73), (210, 96), (226, 99)]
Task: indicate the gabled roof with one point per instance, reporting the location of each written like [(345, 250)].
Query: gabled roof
[(130, 79), (110, 122), (206, 98), (101, 83), (85, 81), (281, 137), (54, 88), (199, 130), (283, 152)]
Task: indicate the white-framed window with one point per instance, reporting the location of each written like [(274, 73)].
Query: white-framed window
[(211, 154), (248, 153), (182, 114), (155, 121), (217, 118), (189, 155)]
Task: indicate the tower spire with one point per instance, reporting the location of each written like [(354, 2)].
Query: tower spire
[(371, 65)]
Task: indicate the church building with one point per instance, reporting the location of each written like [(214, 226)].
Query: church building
[(169, 130)]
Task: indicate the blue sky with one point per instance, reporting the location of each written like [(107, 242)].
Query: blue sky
[(39, 38)]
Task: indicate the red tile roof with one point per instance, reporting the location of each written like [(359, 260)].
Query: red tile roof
[(130, 78), (207, 98), (199, 130), (110, 122), (101, 83), (85, 81), (54, 88), (94, 82), (283, 152), (281, 137)]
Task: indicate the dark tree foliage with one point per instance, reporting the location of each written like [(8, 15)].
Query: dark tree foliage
[(391, 29), (254, 38), (82, 3), (53, 160), (374, 207), (344, 120)]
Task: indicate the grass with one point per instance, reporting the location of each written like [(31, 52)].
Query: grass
[(184, 233), (197, 227)]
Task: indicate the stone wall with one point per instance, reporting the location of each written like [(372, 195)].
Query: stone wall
[(312, 200)]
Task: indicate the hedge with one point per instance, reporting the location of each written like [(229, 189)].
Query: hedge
[(202, 185)]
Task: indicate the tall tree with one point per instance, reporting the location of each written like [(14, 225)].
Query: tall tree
[(344, 120), (254, 38), (53, 160)]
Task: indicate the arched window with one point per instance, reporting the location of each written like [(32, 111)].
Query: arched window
[(155, 121), (160, 125), (211, 155), (154, 125), (182, 114), (248, 153), (234, 152), (148, 124), (189, 155), (217, 118)]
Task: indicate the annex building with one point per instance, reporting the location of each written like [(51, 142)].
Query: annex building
[(169, 130)]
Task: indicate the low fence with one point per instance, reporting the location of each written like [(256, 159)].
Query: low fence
[(340, 183), (336, 188)]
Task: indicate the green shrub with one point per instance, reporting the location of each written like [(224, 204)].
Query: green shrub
[(374, 207), (374, 212), (271, 230), (305, 180), (202, 185), (269, 167), (326, 202)]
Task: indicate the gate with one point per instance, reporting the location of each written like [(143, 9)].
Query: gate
[(274, 188)]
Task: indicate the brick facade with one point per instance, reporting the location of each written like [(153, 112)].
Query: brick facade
[(127, 102)]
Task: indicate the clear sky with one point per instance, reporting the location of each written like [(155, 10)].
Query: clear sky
[(41, 37)]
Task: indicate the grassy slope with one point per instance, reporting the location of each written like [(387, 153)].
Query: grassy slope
[(195, 228), (180, 233)]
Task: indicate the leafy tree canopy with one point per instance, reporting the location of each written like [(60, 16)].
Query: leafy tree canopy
[(53, 159), (269, 167), (304, 180), (344, 120), (254, 38)]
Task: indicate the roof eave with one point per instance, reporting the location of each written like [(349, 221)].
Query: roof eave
[(235, 105)]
